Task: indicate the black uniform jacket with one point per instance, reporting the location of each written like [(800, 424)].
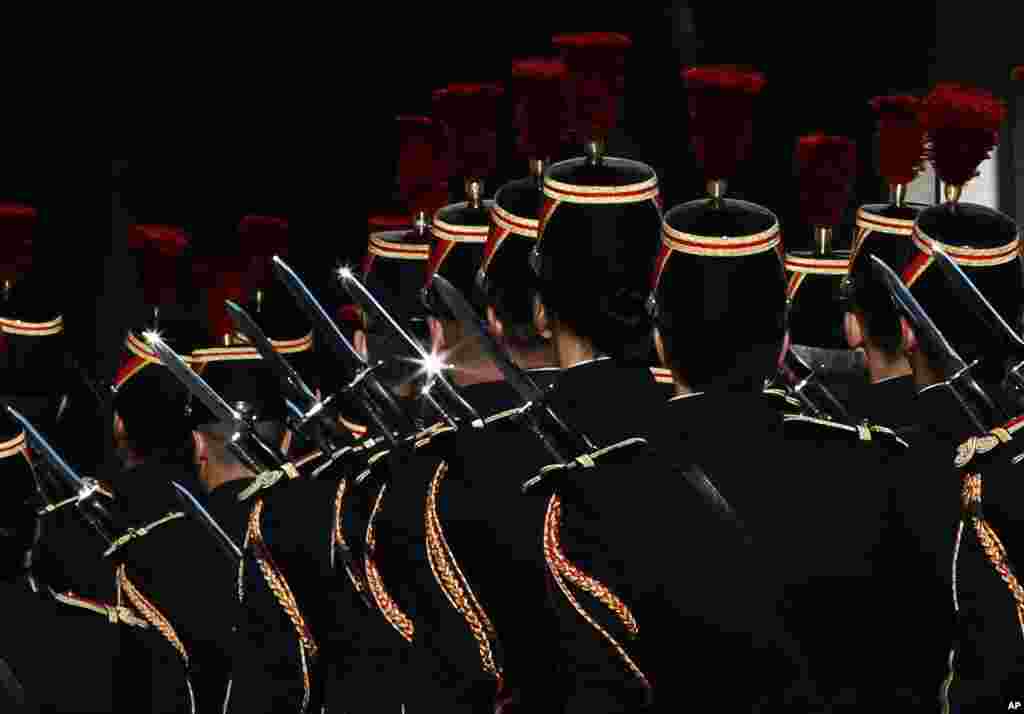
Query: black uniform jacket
[(812, 496), (892, 402), (62, 657), (464, 551), (176, 575), (650, 581), (955, 557)]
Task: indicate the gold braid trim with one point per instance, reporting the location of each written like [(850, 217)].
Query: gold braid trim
[(994, 549), (133, 533), (283, 594), (115, 614), (357, 581), (387, 605), (563, 570), (150, 612), (454, 584)]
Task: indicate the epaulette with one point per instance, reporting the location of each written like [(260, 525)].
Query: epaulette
[(989, 443), (115, 614), (781, 398), (864, 431)]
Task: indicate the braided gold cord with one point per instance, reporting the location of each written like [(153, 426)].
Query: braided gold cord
[(339, 536), (454, 584), (150, 613), (561, 570), (387, 605), (994, 549), (283, 594)]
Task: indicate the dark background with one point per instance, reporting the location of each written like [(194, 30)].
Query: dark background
[(292, 117)]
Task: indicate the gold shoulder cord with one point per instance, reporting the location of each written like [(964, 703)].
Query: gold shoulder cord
[(135, 533), (454, 584), (115, 614), (149, 612), (283, 594), (385, 603), (338, 537)]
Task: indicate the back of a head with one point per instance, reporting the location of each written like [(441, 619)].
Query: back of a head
[(151, 402), (867, 297), (962, 125), (721, 294)]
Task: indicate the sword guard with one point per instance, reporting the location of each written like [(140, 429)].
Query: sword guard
[(360, 376)]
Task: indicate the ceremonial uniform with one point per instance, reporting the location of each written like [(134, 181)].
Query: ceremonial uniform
[(956, 604), (58, 650)]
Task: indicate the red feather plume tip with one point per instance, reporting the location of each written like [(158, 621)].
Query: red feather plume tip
[(264, 235), (962, 126), (223, 277), (539, 110), (387, 222), (17, 226), (470, 116), (423, 160), (721, 106), (159, 249), (901, 152), (596, 63), (827, 167)]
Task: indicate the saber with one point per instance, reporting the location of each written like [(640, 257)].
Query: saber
[(378, 402), (1005, 335), (465, 412), (956, 370), (221, 410), (85, 489), (810, 390), (301, 416), (562, 442), (197, 512)]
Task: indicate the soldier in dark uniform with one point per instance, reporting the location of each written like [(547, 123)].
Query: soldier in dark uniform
[(966, 645), (474, 503), (619, 604), (59, 648), (885, 230), (720, 318)]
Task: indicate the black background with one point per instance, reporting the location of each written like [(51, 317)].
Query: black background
[(291, 116)]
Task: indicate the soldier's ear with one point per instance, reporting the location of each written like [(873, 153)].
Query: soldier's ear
[(908, 337), (360, 344), (436, 335), (659, 345), (540, 319), (118, 426), (854, 329), (286, 442), (496, 326), (202, 447)]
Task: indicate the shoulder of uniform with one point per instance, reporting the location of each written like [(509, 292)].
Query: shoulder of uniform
[(781, 398), (862, 432)]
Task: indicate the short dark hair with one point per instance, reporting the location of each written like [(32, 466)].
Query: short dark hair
[(722, 320), (867, 297), (510, 288), (220, 433)]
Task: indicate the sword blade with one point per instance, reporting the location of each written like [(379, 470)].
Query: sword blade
[(195, 384), (517, 378), (926, 329), (49, 454), (366, 299), (196, 511), (977, 303), (286, 374)]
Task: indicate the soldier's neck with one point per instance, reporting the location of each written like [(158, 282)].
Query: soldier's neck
[(213, 477), (882, 367), (925, 374), (571, 350)]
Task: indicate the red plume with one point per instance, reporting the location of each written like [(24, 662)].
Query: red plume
[(827, 166), (223, 277), (596, 63), (424, 164), (539, 112), (1017, 73), (389, 222), (721, 103), (469, 113), (900, 138), (17, 225), (962, 124), (159, 249), (262, 237)]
